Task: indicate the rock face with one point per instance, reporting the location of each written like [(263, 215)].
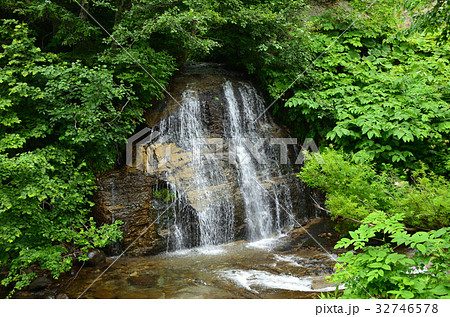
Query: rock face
[(195, 180), (127, 195)]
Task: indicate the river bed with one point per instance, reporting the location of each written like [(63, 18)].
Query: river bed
[(283, 266)]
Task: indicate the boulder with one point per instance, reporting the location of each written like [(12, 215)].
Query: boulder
[(62, 296), (97, 258), (39, 283)]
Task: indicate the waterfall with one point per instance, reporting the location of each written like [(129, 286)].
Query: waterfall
[(205, 182), (242, 127)]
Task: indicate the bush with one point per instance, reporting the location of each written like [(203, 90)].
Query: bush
[(355, 190), (380, 271)]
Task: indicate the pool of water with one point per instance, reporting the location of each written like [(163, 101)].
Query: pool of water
[(283, 266)]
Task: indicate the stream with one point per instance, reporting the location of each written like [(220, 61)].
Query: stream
[(282, 266)]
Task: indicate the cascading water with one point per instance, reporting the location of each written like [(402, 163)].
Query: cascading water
[(241, 128), (203, 182), (265, 208)]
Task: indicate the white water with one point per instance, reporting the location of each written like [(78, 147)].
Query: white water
[(253, 280), (264, 201), (259, 220)]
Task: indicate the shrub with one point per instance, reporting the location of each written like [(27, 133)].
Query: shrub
[(380, 271), (355, 190)]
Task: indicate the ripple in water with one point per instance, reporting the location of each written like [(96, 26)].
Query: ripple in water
[(254, 279)]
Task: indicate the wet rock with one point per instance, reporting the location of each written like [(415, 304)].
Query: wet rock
[(143, 280), (62, 296), (126, 195), (75, 269), (39, 283), (25, 294), (97, 258), (285, 247), (322, 283), (201, 292)]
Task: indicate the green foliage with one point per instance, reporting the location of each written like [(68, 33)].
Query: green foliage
[(429, 17), (373, 93), (59, 123), (135, 70), (267, 38), (63, 27), (355, 190), (381, 272), (63, 20), (263, 37), (426, 202), (330, 295), (164, 194)]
